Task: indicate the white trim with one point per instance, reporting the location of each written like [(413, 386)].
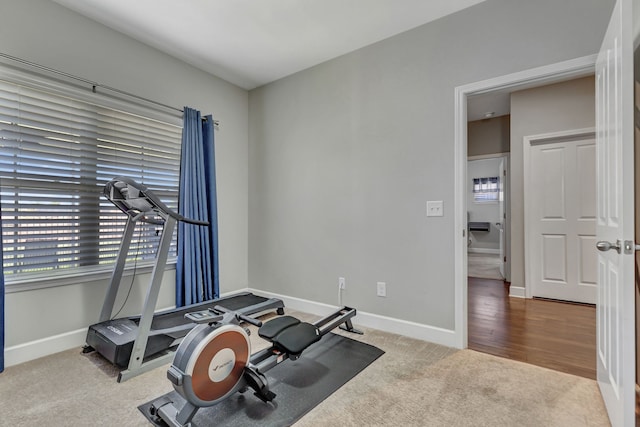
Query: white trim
[(25, 352), (488, 156), (527, 141), (42, 347), (516, 291), (460, 231), (573, 68), (32, 350), (406, 328)]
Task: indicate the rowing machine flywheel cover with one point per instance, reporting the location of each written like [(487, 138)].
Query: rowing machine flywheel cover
[(214, 365)]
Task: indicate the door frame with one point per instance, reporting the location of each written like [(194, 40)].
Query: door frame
[(506, 227), (539, 76), (503, 205), (528, 141)]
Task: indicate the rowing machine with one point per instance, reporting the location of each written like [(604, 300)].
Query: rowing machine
[(214, 361)]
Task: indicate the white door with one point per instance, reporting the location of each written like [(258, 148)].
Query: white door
[(501, 216), (615, 217), (561, 211)]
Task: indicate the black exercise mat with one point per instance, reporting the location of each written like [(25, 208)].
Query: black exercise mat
[(300, 385)]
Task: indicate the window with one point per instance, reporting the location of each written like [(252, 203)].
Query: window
[(58, 147), (486, 189)]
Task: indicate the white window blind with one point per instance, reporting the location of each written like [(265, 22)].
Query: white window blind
[(486, 189), (57, 150)]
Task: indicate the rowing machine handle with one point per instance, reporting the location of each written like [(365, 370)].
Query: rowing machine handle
[(253, 321), (239, 316)]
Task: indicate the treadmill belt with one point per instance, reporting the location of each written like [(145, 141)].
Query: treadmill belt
[(240, 301)]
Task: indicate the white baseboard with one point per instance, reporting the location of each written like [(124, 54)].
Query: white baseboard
[(21, 353), (383, 323), (517, 291), (32, 350), (484, 251), (25, 352)]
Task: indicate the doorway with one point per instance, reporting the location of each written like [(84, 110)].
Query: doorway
[(545, 333), (487, 193), (519, 81), (567, 70)]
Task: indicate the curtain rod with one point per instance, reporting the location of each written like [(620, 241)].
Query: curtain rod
[(93, 84)]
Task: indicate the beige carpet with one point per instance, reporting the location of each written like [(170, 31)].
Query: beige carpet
[(484, 266), (414, 384)]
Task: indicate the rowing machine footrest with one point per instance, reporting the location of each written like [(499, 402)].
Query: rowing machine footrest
[(269, 330), (296, 338)]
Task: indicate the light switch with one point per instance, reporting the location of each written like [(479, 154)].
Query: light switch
[(434, 208)]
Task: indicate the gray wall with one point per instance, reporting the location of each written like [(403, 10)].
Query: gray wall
[(343, 156), (333, 169), (553, 108), (48, 34)]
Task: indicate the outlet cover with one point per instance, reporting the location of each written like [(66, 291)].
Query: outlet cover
[(382, 289), (435, 208)]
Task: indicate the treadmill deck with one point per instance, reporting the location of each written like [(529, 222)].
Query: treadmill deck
[(114, 339)]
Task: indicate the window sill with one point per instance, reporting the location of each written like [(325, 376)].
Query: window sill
[(35, 282)]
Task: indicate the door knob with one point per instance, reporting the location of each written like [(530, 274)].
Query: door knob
[(606, 246)]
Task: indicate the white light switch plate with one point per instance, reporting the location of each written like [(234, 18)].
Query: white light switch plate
[(434, 208)]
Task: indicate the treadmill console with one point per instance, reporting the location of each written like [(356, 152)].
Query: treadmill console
[(203, 316)]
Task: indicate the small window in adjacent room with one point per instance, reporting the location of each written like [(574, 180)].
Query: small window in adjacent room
[(486, 189)]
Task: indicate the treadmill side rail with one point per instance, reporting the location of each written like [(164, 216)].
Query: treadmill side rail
[(116, 276), (136, 361), (148, 365)]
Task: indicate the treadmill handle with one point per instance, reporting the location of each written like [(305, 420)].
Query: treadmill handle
[(188, 220)]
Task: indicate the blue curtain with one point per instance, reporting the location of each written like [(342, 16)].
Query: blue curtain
[(197, 266), (1, 301)]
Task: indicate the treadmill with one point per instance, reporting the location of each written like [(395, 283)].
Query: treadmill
[(141, 343)]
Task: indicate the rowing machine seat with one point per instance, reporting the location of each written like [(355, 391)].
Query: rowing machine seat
[(296, 338), (289, 334), (269, 330)]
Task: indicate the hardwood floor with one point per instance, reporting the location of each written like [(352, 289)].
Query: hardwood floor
[(555, 335)]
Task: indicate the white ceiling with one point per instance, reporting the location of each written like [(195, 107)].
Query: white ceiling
[(492, 104), (254, 42)]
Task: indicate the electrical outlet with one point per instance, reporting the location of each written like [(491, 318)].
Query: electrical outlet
[(341, 283), (382, 289)]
